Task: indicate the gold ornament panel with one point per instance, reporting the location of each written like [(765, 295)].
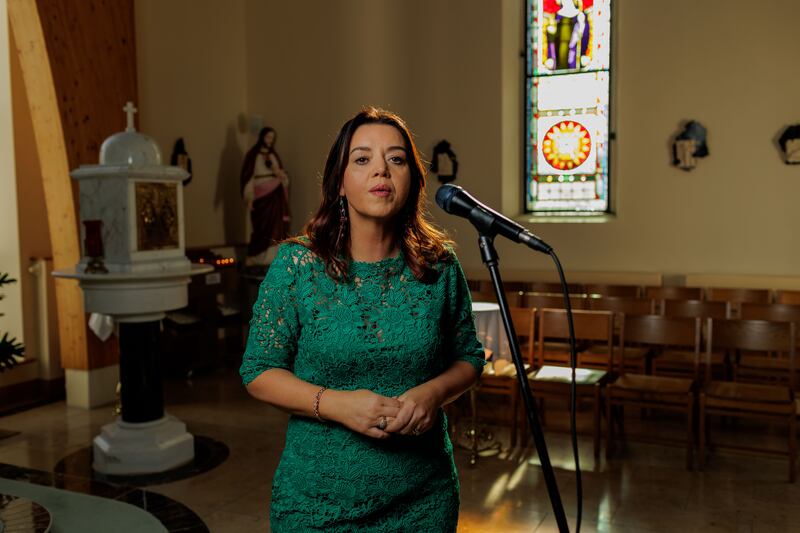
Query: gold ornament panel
[(156, 216)]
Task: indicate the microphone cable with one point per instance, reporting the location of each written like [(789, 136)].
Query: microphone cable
[(573, 392)]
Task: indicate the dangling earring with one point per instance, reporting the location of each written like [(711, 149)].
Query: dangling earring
[(342, 220)]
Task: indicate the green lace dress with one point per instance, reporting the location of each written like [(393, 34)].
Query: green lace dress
[(383, 331)]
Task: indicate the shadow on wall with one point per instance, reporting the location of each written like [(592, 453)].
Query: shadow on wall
[(228, 194)]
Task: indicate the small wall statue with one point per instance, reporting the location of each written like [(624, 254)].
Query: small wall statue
[(789, 142), (444, 162), (265, 189), (689, 145), (180, 158)]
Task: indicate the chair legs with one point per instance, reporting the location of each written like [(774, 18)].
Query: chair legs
[(689, 429), (701, 460), (609, 425), (792, 446), (515, 396), (597, 423), (704, 440)]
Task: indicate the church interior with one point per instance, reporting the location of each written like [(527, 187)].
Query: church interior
[(125, 307)]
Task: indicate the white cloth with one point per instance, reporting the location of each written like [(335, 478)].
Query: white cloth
[(101, 325), (490, 329)]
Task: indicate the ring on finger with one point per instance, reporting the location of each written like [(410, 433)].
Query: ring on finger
[(415, 431), (382, 423)]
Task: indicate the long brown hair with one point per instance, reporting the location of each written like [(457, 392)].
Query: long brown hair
[(422, 245)]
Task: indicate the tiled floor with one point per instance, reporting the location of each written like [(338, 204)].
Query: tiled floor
[(645, 489)]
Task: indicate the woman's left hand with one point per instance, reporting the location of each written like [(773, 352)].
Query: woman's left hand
[(418, 411)]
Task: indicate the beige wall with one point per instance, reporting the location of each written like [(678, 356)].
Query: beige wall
[(11, 305), (191, 71), (452, 69), (431, 62)]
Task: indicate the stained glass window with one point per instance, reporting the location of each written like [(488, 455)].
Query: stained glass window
[(568, 74)]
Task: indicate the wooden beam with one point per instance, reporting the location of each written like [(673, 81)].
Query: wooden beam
[(29, 40)]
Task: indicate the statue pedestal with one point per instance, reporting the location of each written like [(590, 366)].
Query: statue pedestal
[(144, 439), (124, 448)]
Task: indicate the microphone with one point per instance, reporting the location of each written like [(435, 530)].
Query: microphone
[(486, 220)]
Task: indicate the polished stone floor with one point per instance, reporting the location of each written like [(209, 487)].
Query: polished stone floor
[(645, 488)]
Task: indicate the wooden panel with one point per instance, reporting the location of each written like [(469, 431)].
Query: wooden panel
[(27, 30), (78, 62), (92, 51)]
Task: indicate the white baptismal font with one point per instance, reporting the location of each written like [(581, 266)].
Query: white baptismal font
[(133, 268)]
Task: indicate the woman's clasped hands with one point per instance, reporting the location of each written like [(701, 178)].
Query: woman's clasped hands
[(412, 413)]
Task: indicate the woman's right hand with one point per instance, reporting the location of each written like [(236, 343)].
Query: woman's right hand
[(360, 410)]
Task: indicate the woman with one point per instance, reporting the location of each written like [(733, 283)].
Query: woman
[(362, 330), (265, 189)]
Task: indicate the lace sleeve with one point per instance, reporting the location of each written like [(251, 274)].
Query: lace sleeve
[(465, 343), (274, 326)]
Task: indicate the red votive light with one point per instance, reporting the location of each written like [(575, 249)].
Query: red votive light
[(93, 238)]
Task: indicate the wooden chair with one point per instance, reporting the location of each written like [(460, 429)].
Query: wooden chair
[(514, 298), (553, 301), (765, 367), (672, 293), (616, 291), (500, 376), (552, 346), (775, 403), (548, 287), (622, 304), (520, 286), (635, 357), (555, 381), (474, 284), (695, 309), (736, 297), (657, 392), (484, 296), (778, 312), (681, 363), (788, 297)]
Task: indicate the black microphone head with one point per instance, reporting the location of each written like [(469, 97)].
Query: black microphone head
[(445, 194)]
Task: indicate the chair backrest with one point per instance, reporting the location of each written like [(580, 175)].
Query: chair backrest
[(514, 298), (553, 301), (752, 296), (617, 291), (483, 296), (788, 297), (629, 306), (751, 335), (661, 332), (673, 293), (548, 287), (695, 309), (523, 319), (772, 312), (474, 284), (588, 325)]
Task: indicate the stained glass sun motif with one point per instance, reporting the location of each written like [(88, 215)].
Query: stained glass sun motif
[(566, 145)]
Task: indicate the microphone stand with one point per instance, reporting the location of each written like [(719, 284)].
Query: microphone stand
[(490, 259)]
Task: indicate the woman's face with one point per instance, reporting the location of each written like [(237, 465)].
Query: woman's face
[(377, 178), (269, 139)]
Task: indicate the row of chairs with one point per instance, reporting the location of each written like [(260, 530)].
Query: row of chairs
[(734, 296), (613, 349)]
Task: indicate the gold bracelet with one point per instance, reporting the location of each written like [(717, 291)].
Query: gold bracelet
[(316, 403)]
